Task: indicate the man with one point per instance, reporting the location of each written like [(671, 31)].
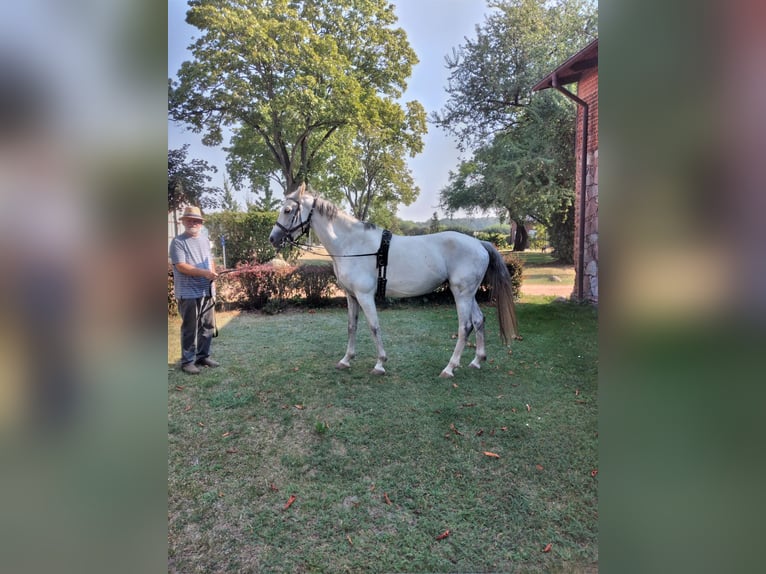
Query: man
[(193, 276)]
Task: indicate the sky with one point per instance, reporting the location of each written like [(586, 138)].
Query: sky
[(434, 28)]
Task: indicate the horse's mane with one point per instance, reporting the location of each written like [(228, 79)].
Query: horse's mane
[(329, 210)]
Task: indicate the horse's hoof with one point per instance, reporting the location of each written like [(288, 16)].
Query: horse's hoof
[(377, 372), (475, 365), (446, 375), (340, 366)]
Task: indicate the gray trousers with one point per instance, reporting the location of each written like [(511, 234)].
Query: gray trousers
[(197, 328)]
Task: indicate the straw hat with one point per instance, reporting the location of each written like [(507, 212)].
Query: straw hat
[(192, 212)]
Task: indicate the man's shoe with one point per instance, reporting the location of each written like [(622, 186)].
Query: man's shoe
[(190, 368), (208, 362)]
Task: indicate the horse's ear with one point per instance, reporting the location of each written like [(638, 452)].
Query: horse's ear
[(302, 188)]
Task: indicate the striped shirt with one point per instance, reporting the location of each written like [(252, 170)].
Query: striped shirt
[(195, 251)]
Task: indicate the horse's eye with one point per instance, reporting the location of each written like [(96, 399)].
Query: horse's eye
[(287, 210)]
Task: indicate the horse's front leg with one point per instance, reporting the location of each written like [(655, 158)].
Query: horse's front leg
[(367, 302), (353, 320)]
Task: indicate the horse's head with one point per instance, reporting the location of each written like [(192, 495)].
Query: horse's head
[(294, 218)]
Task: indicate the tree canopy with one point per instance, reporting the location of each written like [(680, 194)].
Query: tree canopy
[(187, 181), (299, 84), (522, 144)]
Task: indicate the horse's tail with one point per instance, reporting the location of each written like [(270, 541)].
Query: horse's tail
[(500, 281)]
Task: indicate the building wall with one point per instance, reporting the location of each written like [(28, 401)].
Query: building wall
[(587, 90)]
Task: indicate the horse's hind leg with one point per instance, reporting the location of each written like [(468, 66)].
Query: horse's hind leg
[(353, 319), (465, 326), (477, 319)]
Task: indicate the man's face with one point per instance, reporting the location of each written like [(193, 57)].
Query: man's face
[(192, 226)]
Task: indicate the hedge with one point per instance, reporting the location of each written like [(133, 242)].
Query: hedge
[(272, 288)]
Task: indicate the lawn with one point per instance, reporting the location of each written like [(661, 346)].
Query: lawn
[(388, 474), (543, 269)]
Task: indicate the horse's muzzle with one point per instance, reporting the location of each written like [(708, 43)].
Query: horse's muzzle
[(278, 239)]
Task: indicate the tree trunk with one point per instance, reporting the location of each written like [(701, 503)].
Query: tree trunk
[(521, 238)]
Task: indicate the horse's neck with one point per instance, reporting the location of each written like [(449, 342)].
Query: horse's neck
[(335, 232)]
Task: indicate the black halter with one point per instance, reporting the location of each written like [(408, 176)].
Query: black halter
[(304, 226)]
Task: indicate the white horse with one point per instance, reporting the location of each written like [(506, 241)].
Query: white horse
[(416, 266)]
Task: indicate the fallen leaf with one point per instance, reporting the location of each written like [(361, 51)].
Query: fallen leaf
[(227, 433), (454, 385), (577, 392), (539, 466), (289, 502), (201, 424), (513, 409), (179, 388), (385, 497), (491, 454), (188, 408), (547, 547), (312, 312), (300, 407), (220, 494), (273, 488), (469, 404), (232, 451), (503, 428), (479, 432), (296, 369), (443, 535), (529, 409), (454, 429), (349, 540), (594, 472)]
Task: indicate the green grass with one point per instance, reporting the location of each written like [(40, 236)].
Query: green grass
[(277, 419), (543, 269)]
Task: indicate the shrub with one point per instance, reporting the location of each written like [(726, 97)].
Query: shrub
[(315, 281), (516, 270), (561, 234), (499, 240), (172, 303), (265, 284), (247, 236)]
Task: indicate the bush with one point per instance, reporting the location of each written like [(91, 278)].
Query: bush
[(499, 240), (172, 303), (265, 285), (247, 236), (561, 233), (315, 281), (516, 270)]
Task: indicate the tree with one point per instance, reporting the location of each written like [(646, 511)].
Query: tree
[(228, 203), (266, 203), (523, 160), (367, 168), (187, 181), (285, 77), (433, 226)]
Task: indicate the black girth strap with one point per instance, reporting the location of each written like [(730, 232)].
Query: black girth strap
[(382, 261)]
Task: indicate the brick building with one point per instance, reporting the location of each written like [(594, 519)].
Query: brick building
[(582, 68)]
